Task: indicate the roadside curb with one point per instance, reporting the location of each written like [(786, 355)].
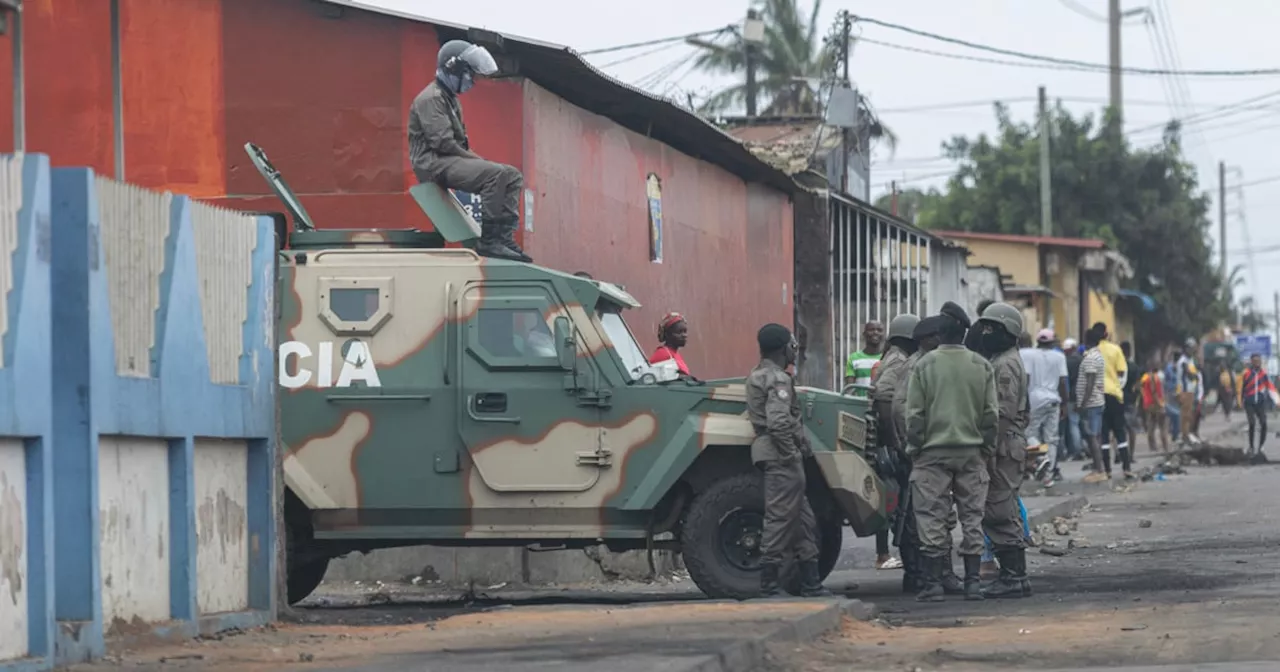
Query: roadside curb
[(749, 654), (1066, 507)]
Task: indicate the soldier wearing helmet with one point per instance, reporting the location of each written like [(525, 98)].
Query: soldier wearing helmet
[(440, 151), (886, 376), (1000, 326)]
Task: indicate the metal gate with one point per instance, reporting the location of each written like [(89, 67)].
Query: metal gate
[(879, 270)]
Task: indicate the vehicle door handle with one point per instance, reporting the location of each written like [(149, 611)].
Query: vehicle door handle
[(484, 403), (491, 402)]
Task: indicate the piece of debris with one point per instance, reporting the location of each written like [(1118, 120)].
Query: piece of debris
[(497, 586), (1132, 628), (1054, 551), (1112, 546), (1024, 631), (1078, 542), (416, 580), (184, 656), (306, 657), (1144, 523)]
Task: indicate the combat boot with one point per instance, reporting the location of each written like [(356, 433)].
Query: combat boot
[(508, 227), (811, 580), (769, 580), (951, 584), (930, 580), (1013, 575), (491, 244), (972, 577)]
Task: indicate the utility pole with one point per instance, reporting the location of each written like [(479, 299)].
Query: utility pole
[(1113, 19), (1222, 222), (752, 37), (893, 199), (1275, 343), (1046, 196), (846, 27)]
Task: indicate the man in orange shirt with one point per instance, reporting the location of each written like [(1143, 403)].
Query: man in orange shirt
[(1153, 418)]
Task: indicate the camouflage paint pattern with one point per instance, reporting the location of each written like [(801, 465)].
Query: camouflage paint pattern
[(471, 434)]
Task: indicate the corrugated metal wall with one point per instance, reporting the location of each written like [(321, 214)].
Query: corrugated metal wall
[(727, 246), (135, 226)]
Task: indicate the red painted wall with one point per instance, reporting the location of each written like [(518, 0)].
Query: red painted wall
[(727, 258), (328, 98)]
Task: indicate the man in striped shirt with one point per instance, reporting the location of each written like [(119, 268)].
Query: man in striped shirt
[(1090, 400), (857, 369), (1255, 393)]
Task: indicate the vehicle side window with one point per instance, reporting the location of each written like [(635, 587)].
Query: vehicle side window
[(512, 331), (355, 306)]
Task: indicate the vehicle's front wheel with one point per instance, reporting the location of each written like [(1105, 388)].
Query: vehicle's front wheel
[(304, 571)]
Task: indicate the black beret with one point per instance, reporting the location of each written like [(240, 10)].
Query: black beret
[(773, 337), (929, 326), (955, 312)]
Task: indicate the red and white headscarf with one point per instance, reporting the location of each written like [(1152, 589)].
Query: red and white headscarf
[(671, 320)]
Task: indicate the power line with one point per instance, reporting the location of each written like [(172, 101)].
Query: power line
[(649, 43), (1251, 183), (633, 57), (1083, 11), (1214, 113), (956, 105), (1066, 62)]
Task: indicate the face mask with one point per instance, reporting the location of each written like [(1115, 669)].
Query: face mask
[(467, 82), (997, 342)]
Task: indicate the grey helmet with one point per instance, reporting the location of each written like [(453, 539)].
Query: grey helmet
[(1004, 315), (459, 61), (903, 326)]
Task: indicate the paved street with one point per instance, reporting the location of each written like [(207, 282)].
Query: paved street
[(1196, 584)]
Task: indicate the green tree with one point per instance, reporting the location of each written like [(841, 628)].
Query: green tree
[(790, 65), (1145, 203)]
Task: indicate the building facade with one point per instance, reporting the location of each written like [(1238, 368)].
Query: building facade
[(619, 183)]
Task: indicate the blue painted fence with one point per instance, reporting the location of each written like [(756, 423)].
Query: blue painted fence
[(137, 415)]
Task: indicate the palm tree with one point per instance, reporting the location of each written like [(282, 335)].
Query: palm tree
[(790, 66)]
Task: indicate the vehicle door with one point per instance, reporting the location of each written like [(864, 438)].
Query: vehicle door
[(523, 416)]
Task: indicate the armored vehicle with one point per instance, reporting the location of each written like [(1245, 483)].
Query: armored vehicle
[(432, 396)]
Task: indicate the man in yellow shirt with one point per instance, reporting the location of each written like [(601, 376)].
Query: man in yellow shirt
[(1114, 424)]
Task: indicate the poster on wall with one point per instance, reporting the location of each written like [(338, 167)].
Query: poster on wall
[(653, 189)]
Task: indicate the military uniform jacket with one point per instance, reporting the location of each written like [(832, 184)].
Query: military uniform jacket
[(890, 374), (435, 130), (1011, 391), (774, 412)]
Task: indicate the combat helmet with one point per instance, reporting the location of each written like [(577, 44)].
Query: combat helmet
[(1004, 315), (903, 326)]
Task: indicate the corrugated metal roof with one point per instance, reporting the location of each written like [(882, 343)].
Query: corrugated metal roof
[(1049, 241), (560, 70), (787, 144)]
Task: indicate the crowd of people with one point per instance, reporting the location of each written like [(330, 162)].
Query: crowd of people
[(963, 403)]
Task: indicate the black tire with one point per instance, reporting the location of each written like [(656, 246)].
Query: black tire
[(303, 571), (712, 569), (709, 532), (303, 579)]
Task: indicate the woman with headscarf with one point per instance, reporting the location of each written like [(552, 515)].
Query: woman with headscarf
[(673, 334)]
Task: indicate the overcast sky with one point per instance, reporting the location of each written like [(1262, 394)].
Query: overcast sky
[(1197, 34)]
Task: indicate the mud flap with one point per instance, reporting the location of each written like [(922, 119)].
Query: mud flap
[(864, 499)]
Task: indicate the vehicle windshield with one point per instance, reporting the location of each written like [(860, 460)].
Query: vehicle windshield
[(624, 342)]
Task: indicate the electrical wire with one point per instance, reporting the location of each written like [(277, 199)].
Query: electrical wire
[(633, 57), (1066, 62), (649, 43), (1253, 183), (1218, 112)]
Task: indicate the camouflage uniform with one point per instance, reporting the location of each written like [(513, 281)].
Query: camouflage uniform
[(779, 451), (1003, 519)]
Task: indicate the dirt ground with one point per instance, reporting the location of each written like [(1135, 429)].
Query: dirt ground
[(1181, 571), (649, 636)]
